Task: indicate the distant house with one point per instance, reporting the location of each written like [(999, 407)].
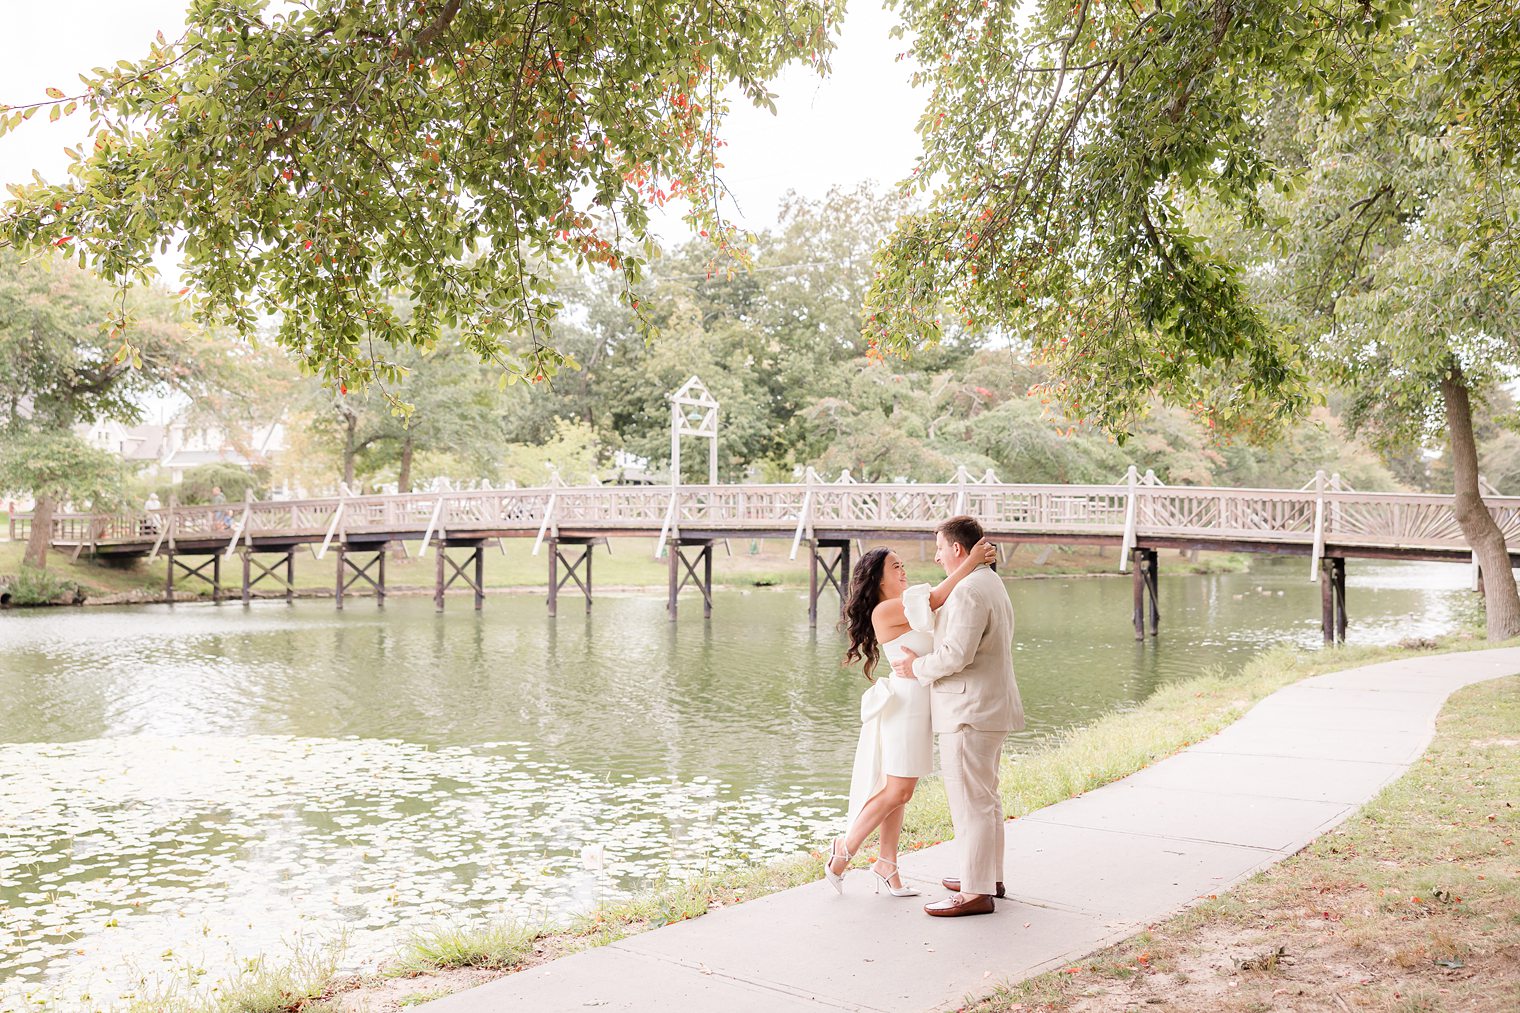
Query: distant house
[(177, 446), (629, 469)]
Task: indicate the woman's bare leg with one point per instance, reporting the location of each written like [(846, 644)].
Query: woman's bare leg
[(892, 797), (891, 831)]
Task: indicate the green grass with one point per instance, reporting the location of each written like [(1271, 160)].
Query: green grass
[(268, 988), (500, 945), (299, 982)]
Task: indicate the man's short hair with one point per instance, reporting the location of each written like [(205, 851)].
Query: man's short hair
[(963, 530)]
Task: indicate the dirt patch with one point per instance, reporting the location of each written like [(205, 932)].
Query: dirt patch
[(387, 995), (1292, 960)]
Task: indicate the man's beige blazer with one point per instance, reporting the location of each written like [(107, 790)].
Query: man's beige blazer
[(970, 672)]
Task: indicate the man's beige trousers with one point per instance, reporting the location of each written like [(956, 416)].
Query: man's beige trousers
[(969, 764)]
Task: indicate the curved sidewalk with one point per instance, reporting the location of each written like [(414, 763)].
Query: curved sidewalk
[(1082, 874)]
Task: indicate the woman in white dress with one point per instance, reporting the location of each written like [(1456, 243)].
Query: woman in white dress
[(883, 615)]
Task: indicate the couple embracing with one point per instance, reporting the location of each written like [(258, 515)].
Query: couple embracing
[(950, 652)]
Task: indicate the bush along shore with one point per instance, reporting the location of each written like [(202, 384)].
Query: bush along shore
[(29, 586), (445, 959)]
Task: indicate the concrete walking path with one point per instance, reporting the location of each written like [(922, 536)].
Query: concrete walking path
[(1082, 874)]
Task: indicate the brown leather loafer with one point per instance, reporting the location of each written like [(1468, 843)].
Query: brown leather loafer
[(956, 905), (954, 886)]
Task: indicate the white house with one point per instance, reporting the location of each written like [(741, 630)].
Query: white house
[(176, 446)]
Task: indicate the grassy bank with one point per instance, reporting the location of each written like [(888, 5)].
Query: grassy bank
[(448, 958), (1411, 905), (630, 564)]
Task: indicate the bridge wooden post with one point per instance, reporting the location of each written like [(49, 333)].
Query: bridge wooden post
[(213, 560), (835, 572), (553, 577), (287, 557), (673, 563), (477, 583), (1332, 593), (707, 555), (683, 571), (480, 576), (813, 584), (350, 573), (574, 565), (338, 588), (1146, 581)]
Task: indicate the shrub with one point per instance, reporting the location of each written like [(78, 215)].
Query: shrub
[(40, 587), (196, 485)]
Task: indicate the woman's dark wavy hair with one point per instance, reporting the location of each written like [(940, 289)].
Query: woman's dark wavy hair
[(864, 596)]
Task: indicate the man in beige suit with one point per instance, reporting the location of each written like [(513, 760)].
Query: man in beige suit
[(974, 703)]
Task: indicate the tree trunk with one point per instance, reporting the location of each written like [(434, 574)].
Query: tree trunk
[(1501, 602), (404, 480), (40, 539)]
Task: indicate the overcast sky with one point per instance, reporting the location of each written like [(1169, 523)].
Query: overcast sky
[(856, 125)]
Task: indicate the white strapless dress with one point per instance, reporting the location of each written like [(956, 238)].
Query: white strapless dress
[(896, 738)]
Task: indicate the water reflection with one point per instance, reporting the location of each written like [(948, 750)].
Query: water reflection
[(182, 787)]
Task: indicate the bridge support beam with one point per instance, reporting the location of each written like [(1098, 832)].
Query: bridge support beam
[(450, 570), (1147, 571), (577, 565), (835, 570), (372, 572), (1332, 596), (213, 560), (287, 557), (683, 571)]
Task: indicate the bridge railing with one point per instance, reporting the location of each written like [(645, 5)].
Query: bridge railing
[(1279, 514), (1410, 519), (1282, 515)]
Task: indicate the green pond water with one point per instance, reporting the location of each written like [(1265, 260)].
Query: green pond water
[(182, 788)]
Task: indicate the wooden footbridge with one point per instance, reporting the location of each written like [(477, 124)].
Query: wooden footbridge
[(1325, 522)]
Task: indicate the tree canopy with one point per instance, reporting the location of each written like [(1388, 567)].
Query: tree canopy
[(59, 367), (1061, 152), (311, 161)]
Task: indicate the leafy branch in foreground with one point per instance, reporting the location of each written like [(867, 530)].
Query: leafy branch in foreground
[(1063, 150), (313, 162)]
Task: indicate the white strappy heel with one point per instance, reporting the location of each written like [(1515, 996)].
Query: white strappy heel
[(836, 852), (886, 881)]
